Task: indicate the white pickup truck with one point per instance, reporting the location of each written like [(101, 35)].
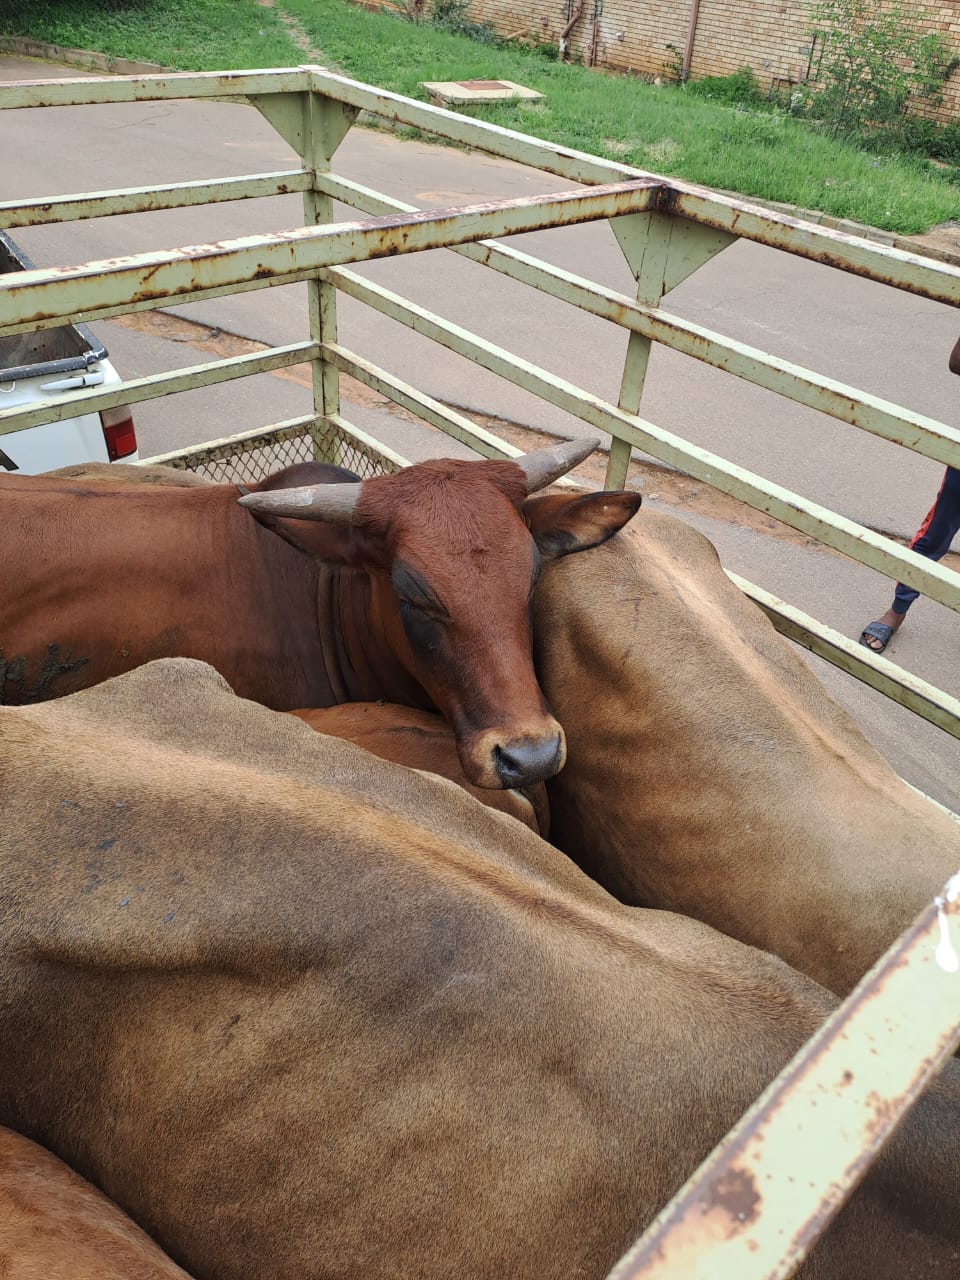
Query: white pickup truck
[(38, 366)]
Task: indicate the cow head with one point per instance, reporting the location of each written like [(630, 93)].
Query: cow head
[(453, 550)]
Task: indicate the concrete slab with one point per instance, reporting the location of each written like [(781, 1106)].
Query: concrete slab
[(457, 93)]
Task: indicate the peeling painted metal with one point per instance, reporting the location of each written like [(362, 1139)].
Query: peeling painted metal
[(829, 1108), (703, 205), (799, 513), (171, 195), (43, 299), (882, 418)]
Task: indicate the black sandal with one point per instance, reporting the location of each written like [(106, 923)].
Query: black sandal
[(881, 631)]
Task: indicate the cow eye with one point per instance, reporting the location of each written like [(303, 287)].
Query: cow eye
[(420, 608), (423, 628), (413, 593)]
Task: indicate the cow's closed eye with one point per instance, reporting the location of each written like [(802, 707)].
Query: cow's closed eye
[(424, 628), (413, 592)]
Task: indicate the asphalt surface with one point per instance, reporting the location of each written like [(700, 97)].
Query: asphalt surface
[(875, 338)]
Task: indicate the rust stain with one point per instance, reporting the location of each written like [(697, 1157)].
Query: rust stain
[(735, 1193)]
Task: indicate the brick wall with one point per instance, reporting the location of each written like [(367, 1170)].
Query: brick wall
[(770, 36)]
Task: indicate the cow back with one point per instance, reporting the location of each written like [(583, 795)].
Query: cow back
[(299, 1011), (709, 771)]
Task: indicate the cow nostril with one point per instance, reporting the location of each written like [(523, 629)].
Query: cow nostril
[(522, 764)]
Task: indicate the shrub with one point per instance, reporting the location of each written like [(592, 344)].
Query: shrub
[(740, 89), (451, 15), (874, 64)]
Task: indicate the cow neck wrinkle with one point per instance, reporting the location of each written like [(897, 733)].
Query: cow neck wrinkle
[(360, 666)]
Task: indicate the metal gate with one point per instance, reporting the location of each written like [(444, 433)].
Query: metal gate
[(666, 229)]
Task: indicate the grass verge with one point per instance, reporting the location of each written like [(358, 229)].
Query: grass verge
[(663, 129)]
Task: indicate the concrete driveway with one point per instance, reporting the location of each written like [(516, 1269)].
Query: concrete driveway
[(875, 338)]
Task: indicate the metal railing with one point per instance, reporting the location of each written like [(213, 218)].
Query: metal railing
[(666, 229)]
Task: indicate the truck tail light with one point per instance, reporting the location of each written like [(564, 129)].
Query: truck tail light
[(118, 432)]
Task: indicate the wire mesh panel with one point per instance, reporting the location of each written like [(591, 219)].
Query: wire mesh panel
[(248, 458)]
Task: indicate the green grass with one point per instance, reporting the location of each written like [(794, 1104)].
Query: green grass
[(665, 129)]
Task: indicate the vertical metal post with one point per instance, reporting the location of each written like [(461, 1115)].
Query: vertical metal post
[(660, 250), (315, 126), (326, 124), (645, 241)]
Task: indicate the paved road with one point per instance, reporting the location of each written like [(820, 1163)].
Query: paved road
[(872, 337)]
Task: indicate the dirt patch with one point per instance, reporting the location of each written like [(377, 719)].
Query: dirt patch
[(297, 34), (943, 240)]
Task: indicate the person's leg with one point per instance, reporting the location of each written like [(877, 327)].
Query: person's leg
[(931, 540)]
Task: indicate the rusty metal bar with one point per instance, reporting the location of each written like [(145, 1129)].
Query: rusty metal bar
[(753, 1211), (84, 91), (565, 162), (751, 222), (155, 385), (172, 195), (918, 696), (131, 306), (848, 253), (441, 416), (43, 299), (804, 386), (318, 127), (438, 415), (809, 517), (908, 271)]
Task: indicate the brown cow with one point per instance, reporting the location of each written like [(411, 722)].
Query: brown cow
[(710, 773), (303, 1013), (422, 740), (413, 588), (56, 1226)]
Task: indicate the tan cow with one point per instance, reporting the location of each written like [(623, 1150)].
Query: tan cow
[(303, 1013), (56, 1226), (708, 770), (422, 740)]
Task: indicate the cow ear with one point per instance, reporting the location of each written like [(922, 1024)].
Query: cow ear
[(561, 524)]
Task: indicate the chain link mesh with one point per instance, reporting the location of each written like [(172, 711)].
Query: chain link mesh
[(251, 459)]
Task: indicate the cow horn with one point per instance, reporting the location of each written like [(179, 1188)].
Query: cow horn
[(543, 466), (335, 503)]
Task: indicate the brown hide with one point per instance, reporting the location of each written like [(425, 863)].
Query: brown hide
[(130, 473), (423, 599), (452, 550), (102, 577), (422, 740), (56, 1226), (710, 773), (303, 1013)]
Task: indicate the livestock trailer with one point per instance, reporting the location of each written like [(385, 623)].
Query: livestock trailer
[(667, 230)]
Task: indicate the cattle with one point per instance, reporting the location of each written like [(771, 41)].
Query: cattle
[(126, 473), (301, 1012), (413, 588), (710, 773), (422, 740), (56, 1226)]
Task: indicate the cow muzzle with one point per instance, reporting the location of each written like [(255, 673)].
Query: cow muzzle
[(497, 762)]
